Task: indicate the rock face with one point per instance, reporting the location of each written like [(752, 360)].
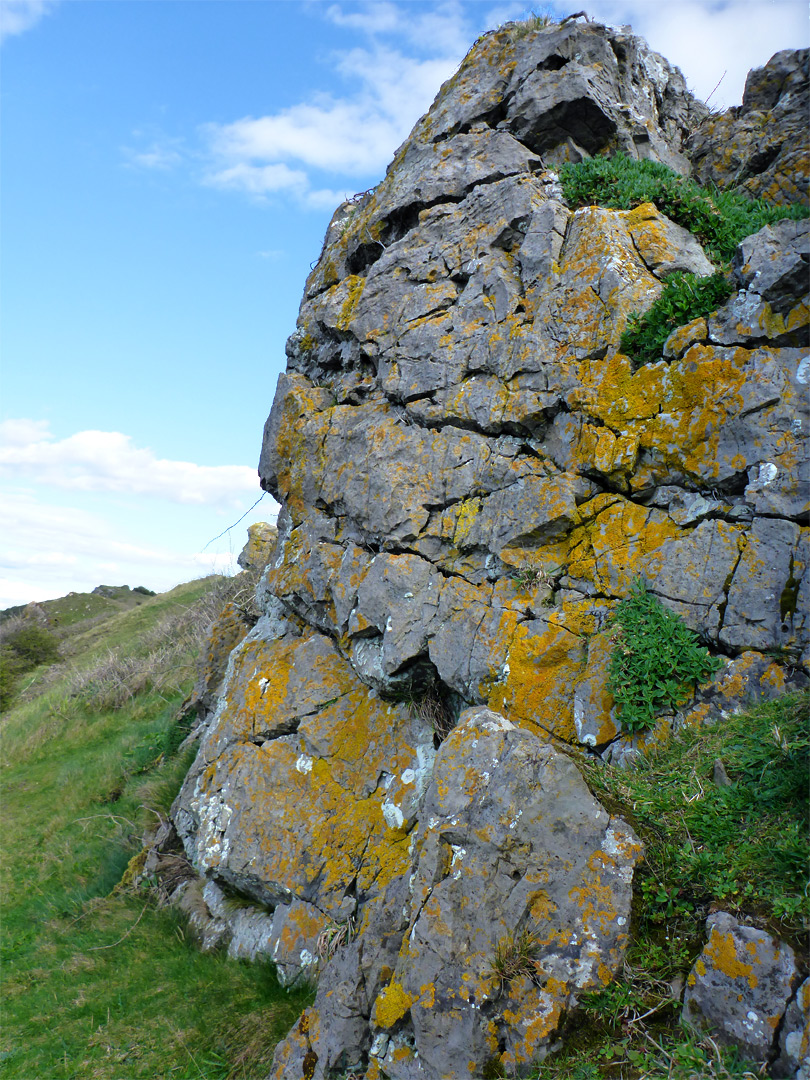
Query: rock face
[(471, 476), (742, 984), (762, 145)]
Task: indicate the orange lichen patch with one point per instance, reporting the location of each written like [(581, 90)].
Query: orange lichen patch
[(300, 931), (541, 906), (650, 234), (774, 675), (722, 953), (391, 1005), (772, 324), (304, 423), (531, 1023), (301, 566), (296, 1047), (616, 395), (622, 541), (266, 691), (309, 821), (542, 670), (679, 340), (595, 899)]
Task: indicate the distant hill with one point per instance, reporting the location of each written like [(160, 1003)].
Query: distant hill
[(76, 607)]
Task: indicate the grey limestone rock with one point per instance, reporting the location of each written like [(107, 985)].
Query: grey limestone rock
[(794, 1038), (740, 985), (472, 475), (761, 146)]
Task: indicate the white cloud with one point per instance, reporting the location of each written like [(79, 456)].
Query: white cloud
[(17, 16), (156, 156), (51, 550), (353, 135), (109, 461), (706, 39)]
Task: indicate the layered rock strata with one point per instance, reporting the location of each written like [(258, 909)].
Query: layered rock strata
[(471, 476)]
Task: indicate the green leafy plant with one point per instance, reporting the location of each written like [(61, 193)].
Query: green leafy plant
[(684, 297), (656, 659), (719, 219)]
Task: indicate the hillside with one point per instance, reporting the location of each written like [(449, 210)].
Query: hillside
[(100, 978)]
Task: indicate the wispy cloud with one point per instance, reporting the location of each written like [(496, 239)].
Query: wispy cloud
[(68, 549), (17, 16), (394, 76), (324, 147), (110, 461)]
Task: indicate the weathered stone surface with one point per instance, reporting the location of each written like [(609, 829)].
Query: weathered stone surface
[(510, 839), (471, 477), (794, 1038), (740, 985), (303, 797), (775, 263), (259, 547), (762, 145)]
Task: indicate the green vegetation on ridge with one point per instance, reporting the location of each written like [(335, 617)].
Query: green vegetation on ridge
[(656, 659), (718, 219)]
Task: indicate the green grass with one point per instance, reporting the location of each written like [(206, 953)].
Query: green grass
[(745, 845), (719, 219), (99, 981)]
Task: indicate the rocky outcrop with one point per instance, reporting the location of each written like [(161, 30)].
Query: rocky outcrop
[(761, 146), (256, 553), (471, 476)]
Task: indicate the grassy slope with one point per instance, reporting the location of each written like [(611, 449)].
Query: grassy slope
[(98, 981)]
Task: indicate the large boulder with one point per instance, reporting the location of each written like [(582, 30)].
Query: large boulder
[(741, 985)]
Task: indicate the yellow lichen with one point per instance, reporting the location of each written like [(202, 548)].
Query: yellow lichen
[(391, 1005)]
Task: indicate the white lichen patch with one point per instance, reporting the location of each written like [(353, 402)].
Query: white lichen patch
[(394, 818), (304, 763)]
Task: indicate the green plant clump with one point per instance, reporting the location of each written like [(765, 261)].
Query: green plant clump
[(719, 219), (656, 659), (684, 297), (25, 646)]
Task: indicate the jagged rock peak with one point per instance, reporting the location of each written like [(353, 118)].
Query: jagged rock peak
[(472, 476)]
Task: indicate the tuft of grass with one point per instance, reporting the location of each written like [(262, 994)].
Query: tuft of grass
[(719, 219), (516, 956), (656, 659), (683, 298)]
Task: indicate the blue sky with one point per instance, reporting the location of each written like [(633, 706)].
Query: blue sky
[(168, 171)]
